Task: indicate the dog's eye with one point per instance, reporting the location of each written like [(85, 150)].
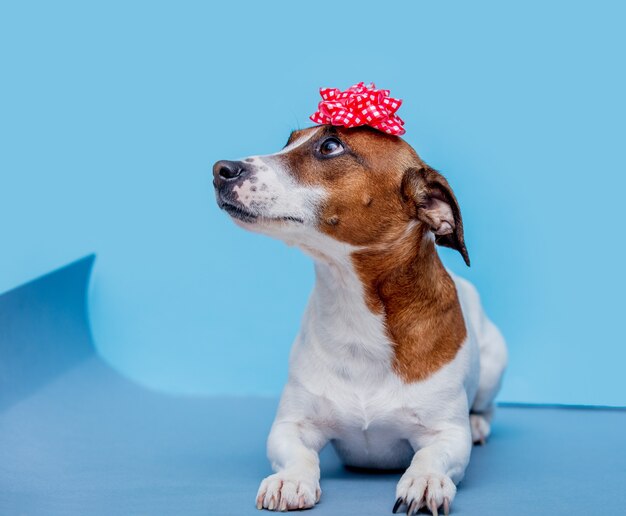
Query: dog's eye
[(331, 147)]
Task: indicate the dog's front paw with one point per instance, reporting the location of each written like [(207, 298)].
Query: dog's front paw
[(284, 491), (429, 490)]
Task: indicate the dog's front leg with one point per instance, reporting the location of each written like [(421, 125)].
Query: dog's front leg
[(436, 467), (292, 448)]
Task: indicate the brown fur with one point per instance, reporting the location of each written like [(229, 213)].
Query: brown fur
[(379, 192), (408, 284)]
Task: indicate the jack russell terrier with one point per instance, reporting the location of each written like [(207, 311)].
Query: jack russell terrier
[(396, 363)]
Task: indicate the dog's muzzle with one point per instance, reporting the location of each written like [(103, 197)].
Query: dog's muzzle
[(226, 176)]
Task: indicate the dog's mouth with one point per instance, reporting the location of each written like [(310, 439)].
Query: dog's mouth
[(240, 212)]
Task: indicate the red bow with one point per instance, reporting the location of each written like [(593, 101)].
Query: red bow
[(359, 105)]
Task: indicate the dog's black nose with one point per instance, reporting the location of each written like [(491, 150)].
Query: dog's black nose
[(224, 171)]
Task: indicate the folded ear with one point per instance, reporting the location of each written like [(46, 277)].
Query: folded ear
[(435, 205)]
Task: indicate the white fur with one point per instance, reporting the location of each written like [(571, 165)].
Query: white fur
[(295, 144), (342, 387), (275, 194)]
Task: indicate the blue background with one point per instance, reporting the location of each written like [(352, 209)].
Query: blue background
[(111, 115)]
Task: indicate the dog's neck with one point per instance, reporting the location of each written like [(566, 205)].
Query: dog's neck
[(394, 303), (404, 273)]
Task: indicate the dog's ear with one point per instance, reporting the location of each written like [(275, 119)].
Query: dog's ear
[(435, 204)]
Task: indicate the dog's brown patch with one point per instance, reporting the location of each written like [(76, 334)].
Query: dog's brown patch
[(375, 204), (363, 184), (409, 286)]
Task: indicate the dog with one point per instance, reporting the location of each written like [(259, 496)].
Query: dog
[(396, 363)]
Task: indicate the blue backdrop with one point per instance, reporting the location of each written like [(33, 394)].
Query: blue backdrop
[(111, 115)]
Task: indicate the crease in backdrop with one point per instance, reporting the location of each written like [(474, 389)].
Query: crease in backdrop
[(112, 114)]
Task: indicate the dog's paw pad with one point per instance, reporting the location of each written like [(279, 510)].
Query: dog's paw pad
[(480, 428), (285, 492), (431, 491)]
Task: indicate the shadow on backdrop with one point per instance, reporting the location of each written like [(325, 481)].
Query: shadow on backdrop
[(43, 330)]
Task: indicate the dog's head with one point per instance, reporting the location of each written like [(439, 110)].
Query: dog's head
[(357, 186)]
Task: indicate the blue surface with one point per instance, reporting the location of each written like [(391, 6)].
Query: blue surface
[(112, 114), (93, 443), (84, 440)]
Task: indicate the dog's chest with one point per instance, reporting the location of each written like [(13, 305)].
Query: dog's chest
[(370, 424), (367, 410), (344, 360)]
